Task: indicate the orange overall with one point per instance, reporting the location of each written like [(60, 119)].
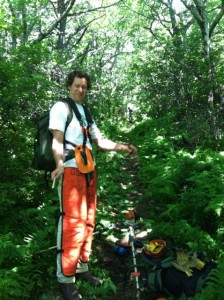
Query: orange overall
[(78, 210)]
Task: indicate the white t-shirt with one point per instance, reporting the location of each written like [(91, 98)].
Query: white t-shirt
[(74, 134)]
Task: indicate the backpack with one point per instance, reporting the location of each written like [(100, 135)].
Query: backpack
[(166, 280), (43, 156)]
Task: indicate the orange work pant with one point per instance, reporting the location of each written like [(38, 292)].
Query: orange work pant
[(78, 208)]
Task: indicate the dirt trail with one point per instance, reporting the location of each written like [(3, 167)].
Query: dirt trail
[(119, 266)]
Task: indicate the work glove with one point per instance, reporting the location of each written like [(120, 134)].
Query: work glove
[(184, 262)]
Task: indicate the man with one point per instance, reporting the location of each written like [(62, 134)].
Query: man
[(77, 190), (130, 112)]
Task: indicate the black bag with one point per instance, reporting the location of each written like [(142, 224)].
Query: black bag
[(166, 280), (43, 156)]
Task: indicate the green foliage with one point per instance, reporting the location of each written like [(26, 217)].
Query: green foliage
[(13, 285), (107, 290), (214, 285), (14, 258), (184, 188)]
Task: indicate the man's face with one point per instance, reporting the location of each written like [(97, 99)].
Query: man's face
[(78, 89)]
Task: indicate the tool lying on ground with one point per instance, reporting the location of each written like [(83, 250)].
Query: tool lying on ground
[(132, 218), (170, 271), (129, 241), (134, 274), (164, 270), (128, 244), (122, 227)]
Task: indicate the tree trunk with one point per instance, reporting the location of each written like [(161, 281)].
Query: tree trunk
[(199, 11), (62, 25)]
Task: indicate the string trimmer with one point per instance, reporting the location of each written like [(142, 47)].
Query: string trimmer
[(131, 218)]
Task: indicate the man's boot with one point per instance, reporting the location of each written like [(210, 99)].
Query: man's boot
[(69, 291), (88, 277)]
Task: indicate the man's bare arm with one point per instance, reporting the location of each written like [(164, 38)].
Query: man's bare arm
[(109, 145), (58, 152)]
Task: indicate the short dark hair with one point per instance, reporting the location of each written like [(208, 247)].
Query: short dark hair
[(80, 74)]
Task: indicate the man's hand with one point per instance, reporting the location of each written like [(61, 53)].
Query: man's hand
[(132, 149), (109, 145), (56, 174)]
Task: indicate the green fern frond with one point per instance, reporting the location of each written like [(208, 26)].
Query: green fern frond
[(8, 250), (13, 285), (214, 289)]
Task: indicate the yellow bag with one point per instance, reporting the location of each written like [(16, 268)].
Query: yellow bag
[(84, 159)]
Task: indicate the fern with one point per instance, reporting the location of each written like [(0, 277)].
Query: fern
[(8, 250), (13, 285), (214, 289)]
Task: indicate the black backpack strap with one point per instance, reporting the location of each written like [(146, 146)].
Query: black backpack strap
[(155, 281), (89, 118), (69, 115), (183, 297), (79, 117), (88, 115), (70, 153), (75, 109)]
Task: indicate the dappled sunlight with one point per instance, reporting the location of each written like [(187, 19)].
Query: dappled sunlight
[(124, 186), (143, 234)]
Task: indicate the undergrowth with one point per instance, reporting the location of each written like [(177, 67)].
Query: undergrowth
[(183, 199), (184, 185)]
